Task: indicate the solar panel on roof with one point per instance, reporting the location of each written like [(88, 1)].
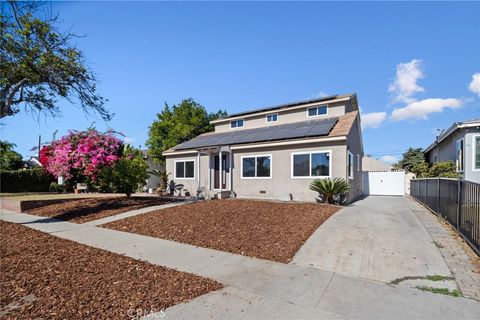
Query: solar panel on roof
[(311, 128)]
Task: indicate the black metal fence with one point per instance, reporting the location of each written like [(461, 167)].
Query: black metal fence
[(457, 201)]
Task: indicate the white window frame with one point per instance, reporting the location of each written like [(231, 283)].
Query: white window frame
[(237, 127), (463, 155), (474, 146), (184, 168), (271, 114), (317, 115), (358, 162), (256, 156), (310, 164), (350, 165)]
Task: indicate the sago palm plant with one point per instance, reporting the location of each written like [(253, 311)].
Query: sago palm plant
[(331, 190), (163, 175)]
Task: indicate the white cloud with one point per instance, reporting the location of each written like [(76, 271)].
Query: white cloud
[(405, 83), (373, 119), (129, 140), (389, 159), (321, 94), (474, 85), (421, 109)]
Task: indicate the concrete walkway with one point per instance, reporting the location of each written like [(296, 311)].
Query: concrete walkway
[(262, 289), (133, 213), (377, 238)]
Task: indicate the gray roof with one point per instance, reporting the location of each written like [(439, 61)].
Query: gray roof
[(304, 129), (287, 105), (452, 129)]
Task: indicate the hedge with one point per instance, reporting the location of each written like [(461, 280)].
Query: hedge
[(29, 180)]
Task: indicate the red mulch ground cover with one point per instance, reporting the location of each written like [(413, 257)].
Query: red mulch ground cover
[(89, 209), (67, 280), (267, 230)]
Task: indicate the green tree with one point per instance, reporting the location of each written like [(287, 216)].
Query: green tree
[(411, 158), (129, 173), (9, 159), (178, 124), (39, 65)]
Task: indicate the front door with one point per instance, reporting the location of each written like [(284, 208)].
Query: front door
[(216, 171)]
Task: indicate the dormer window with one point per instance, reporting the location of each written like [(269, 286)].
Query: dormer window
[(236, 124), (271, 118), (317, 111)]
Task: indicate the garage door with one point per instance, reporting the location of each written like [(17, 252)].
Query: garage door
[(389, 183)]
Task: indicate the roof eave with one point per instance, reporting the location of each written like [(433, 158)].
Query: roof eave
[(456, 126), (265, 144)]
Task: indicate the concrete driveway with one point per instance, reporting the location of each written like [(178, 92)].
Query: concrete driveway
[(377, 238)]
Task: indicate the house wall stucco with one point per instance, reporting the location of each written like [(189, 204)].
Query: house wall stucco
[(190, 185), (256, 121), (281, 184), (354, 145)]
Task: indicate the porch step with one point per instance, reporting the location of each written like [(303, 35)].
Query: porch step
[(223, 195)]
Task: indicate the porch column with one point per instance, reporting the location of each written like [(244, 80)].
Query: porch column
[(231, 170), (198, 172), (220, 169), (209, 171)]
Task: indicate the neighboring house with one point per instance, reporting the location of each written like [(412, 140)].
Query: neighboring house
[(461, 144), (32, 163), (275, 152), (152, 181), (372, 164)]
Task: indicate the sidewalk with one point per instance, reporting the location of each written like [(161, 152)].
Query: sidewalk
[(459, 257), (259, 288)]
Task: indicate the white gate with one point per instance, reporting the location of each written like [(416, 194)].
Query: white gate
[(384, 183)]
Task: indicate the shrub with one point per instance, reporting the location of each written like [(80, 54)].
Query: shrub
[(28, 180), (445, 169), (331, 191), (127, 175), (80, 155), (55, 187)]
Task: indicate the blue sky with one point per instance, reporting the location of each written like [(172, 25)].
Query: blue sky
[(411, 64)]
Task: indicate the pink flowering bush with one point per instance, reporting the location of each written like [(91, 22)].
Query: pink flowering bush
[(80, 155)]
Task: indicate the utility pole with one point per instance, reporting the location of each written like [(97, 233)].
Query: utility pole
[(39, 145)]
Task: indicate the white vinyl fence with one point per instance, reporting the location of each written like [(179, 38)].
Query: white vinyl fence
[(384, 183)]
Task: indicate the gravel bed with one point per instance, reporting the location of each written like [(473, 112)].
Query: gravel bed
[(42, 276), (267, 230), (84, 210)]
